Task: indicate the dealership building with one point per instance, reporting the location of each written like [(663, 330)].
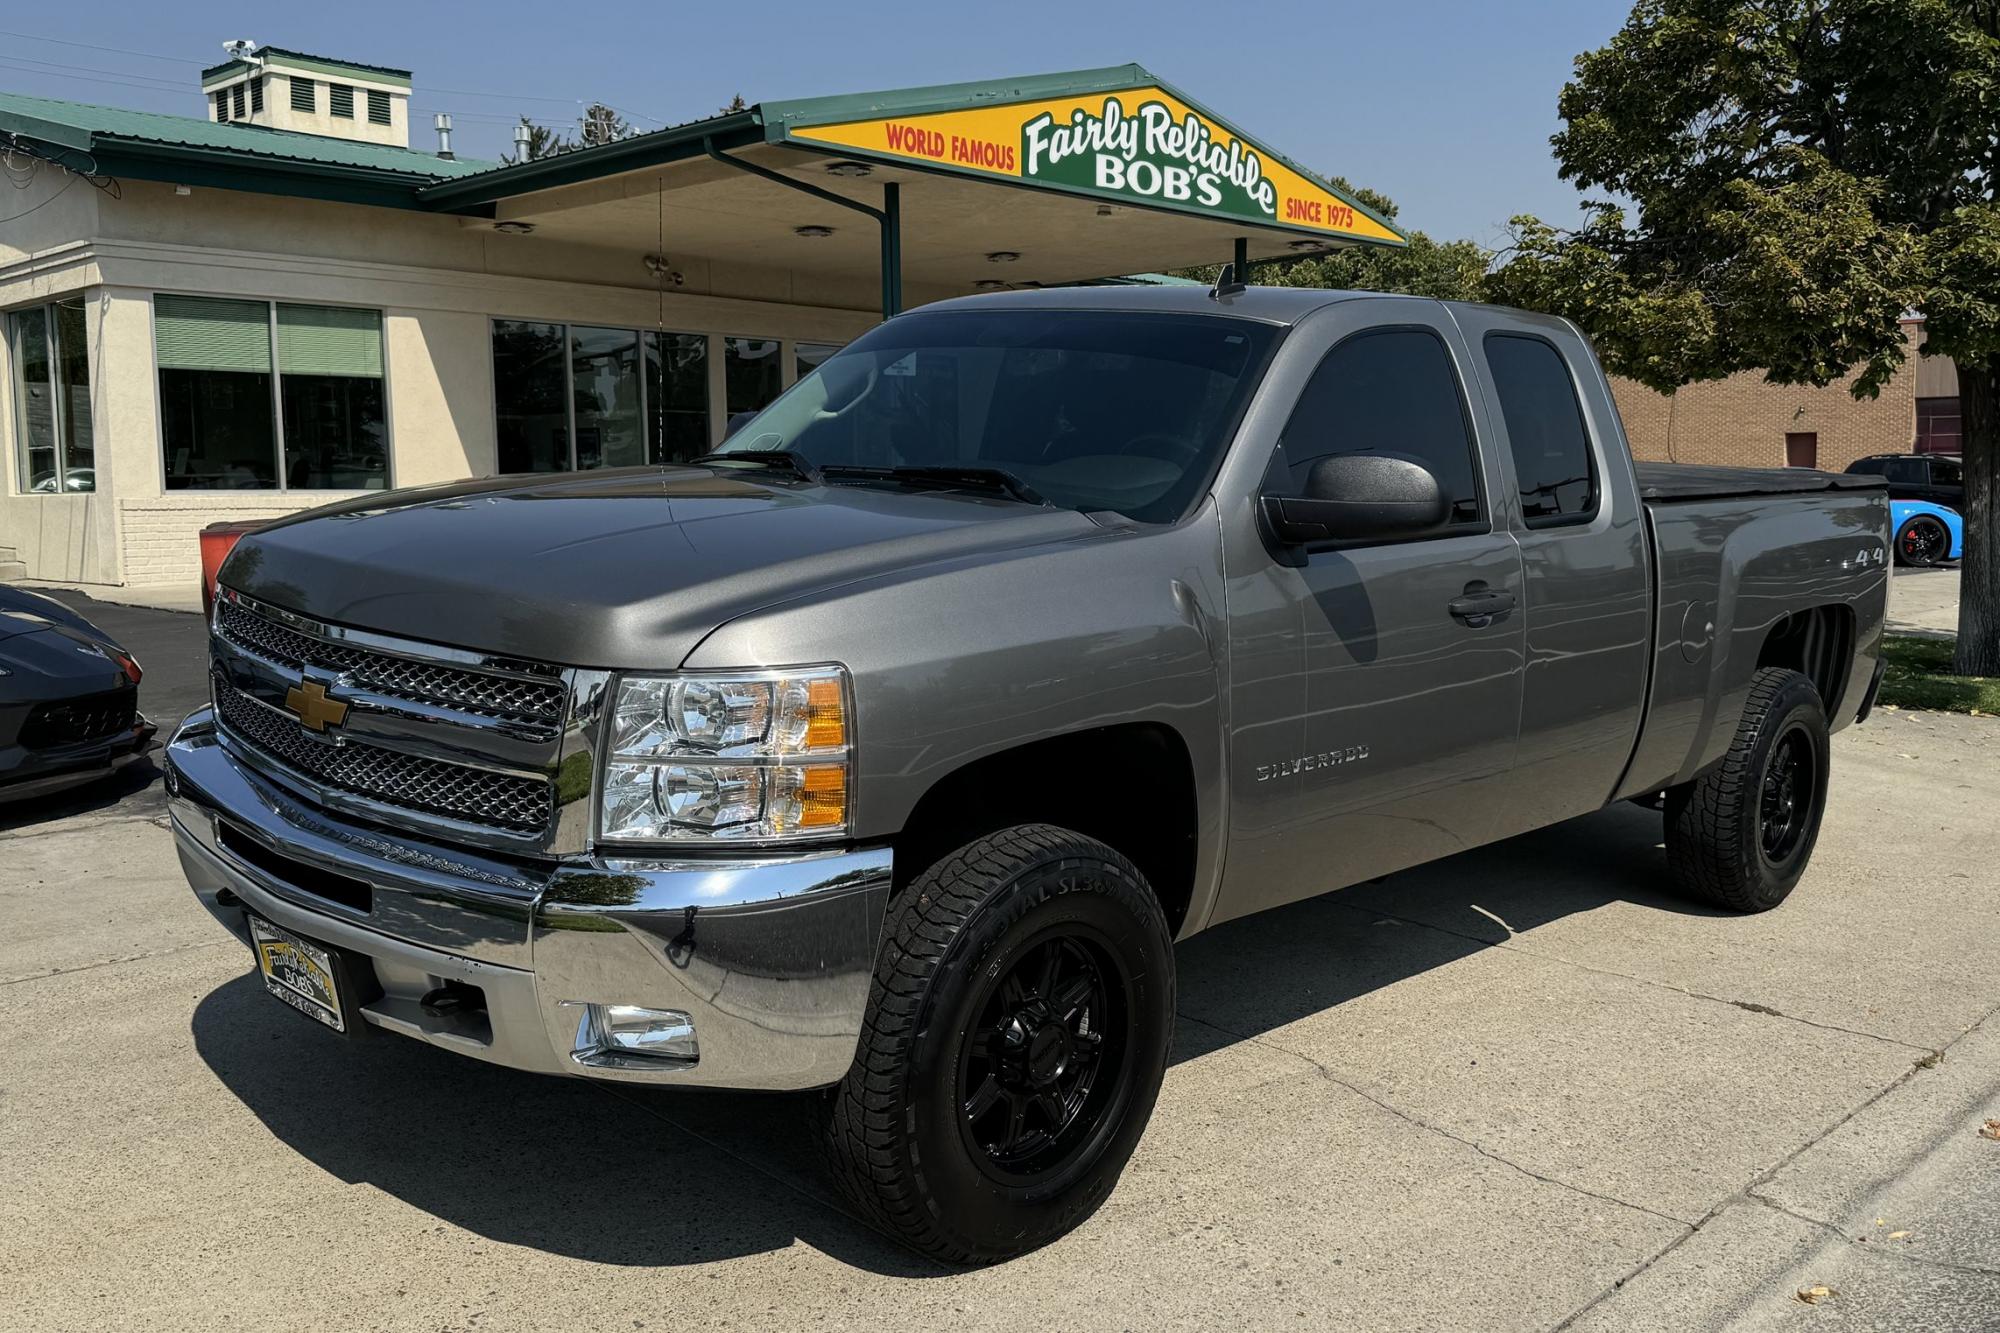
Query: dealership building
[(282, 302)]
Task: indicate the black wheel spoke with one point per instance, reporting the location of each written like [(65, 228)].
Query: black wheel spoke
[(984, 1099), (1052, 959), (1017, 1121), (1072, 999), (1052, 1108)]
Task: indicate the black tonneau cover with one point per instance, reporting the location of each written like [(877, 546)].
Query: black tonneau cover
[(1664, 483)]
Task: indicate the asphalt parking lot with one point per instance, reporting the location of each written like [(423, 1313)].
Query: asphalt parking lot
[(1526, 1088)]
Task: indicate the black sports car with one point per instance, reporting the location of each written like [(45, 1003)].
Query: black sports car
[(69, 698)]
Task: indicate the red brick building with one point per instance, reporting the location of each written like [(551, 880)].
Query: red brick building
[(1746, 421)]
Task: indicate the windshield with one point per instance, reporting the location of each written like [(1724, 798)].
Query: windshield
[(1090, 410)]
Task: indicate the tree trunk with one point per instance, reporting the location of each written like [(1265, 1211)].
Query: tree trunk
[(1979, 585)]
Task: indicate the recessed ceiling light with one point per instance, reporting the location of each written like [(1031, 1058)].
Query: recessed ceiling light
[(989, 284), (514, 228), (1003, 256), (813, 233), (1105, 210), (848, 169), (1308, 245)]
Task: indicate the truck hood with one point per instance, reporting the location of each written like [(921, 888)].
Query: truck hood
[(628, 568)]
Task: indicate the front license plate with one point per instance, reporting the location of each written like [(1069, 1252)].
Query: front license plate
[(302, 974)]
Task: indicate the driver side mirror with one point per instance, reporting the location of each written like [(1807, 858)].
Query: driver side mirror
[(1358, 497)]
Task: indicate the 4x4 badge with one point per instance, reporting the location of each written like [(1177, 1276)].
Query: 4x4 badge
[(316, 712)]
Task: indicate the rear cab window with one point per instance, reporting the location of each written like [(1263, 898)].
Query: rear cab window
[(1555, 469)]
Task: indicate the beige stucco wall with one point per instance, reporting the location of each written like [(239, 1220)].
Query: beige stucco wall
[(439, 282)]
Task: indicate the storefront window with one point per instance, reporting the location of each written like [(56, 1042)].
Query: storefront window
[(222, 407), (52, 417), (751, 374), (677, 395), (530, 377), (330, 381), (627, 397), (809, 355), (216, 419), (604, 379)]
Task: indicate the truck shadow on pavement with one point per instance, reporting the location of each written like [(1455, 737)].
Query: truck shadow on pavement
[(659, 1179)]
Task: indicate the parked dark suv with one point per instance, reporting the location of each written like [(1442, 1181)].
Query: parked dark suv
[(1939, 478)]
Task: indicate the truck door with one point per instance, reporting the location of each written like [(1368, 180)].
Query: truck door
[(1412, 650), (1588, 606)]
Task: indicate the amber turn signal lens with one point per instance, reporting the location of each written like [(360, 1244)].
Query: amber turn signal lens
[(826, 725), (823, 796)]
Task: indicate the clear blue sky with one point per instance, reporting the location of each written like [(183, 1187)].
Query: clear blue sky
[(1446, 107)]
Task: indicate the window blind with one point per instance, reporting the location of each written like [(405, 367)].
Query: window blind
[(329, 340), (304, 95), (340, 100), (205, 333), (378, 108)]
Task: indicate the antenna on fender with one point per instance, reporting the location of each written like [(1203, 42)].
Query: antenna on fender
[(1226, 285)]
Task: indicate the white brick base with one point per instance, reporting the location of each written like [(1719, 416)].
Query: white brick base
[(159, 537)]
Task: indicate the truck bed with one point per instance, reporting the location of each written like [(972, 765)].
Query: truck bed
[(1666, 483)]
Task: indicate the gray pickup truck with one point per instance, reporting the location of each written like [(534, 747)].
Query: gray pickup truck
[(886, 751)]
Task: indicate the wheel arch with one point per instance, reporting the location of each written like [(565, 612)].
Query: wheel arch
[(1130, 785), (1818, 643)]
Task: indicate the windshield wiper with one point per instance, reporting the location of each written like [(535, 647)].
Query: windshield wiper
[(968, 477), (796, 463)]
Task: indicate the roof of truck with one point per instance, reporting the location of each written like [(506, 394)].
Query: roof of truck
[(1279, 305)]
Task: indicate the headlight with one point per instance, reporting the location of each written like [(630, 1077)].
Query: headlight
[(750, 755)]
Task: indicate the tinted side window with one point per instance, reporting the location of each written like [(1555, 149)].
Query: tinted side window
[(1391, 392), (1553, 466), (1906, 472), (1946, 472), (1872, 466)]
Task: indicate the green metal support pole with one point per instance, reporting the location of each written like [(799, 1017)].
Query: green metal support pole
[(1243, 259), (892, 250)]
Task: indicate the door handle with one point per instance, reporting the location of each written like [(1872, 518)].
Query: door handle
[(1480, 606)]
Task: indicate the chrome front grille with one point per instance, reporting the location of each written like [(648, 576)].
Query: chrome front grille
[(393, 778), (537, 703), (465, 746)]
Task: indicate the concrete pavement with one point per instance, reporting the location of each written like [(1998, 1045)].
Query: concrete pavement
[(1526, 1088), (1924, 602)]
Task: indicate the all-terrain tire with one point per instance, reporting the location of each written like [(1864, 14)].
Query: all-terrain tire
[(1739, 835), (891, 1131)]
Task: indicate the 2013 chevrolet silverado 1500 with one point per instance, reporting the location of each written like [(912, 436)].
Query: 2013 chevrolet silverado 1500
[(887, 750)]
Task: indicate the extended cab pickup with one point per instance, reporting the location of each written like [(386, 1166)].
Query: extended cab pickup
[(887, 750)]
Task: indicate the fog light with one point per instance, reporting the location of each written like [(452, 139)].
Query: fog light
[(628, 1036)]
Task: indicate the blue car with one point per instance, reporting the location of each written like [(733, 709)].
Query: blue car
[(1926, 534)]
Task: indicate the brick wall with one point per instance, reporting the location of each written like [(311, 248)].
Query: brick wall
[(159, 536), (1742, 421)]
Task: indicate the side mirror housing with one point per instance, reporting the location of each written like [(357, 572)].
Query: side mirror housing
[(1358, 497)]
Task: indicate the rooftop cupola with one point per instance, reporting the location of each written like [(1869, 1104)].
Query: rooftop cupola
[(289, 90)]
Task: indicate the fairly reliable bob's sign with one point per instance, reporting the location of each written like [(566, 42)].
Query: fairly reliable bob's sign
[(1144, 145)]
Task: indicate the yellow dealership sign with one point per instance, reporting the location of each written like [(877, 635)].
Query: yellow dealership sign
[(1143, 145)]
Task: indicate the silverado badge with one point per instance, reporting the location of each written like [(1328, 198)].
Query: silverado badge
[(316, 712)]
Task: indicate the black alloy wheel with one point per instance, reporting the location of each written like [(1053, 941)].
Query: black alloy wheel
[(1046, 1061), (1789, 795), (1923, 542)]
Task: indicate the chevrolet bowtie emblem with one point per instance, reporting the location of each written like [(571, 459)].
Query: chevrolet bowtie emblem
[(315, 711)]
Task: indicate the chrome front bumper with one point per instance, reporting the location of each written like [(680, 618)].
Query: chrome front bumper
[(771, 958)]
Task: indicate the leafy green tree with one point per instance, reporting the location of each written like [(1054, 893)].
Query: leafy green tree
[(1448, 270), (1785, 179)]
